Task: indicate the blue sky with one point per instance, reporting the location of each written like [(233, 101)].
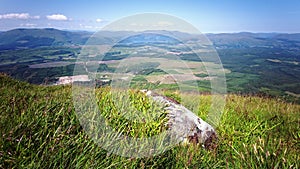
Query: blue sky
[(208, 16)]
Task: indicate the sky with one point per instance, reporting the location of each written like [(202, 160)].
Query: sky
[(208, 16)]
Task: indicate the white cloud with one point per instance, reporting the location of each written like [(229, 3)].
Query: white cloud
[(28, 25), (99, 20), (164, 23), (58, 17), (18, 16), (35, 17)]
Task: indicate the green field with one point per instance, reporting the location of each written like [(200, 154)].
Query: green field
[(39, 129), (254, 63)]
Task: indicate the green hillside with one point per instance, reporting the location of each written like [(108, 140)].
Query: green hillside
[(32, 38), (39, 129)]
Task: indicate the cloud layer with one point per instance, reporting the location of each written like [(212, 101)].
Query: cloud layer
[(54, 20), (57, 17), (18, 16)]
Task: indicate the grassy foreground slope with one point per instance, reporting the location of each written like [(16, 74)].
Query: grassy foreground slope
[(39, 129)]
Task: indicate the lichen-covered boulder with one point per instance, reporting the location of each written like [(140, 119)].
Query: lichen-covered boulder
[(188, 127)]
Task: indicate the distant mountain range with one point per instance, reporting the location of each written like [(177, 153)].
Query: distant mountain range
[(32, 38), (246, 39)]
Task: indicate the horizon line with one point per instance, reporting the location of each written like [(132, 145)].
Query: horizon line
[(213, 32)]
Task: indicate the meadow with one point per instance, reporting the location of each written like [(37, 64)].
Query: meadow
[(39, 129)]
